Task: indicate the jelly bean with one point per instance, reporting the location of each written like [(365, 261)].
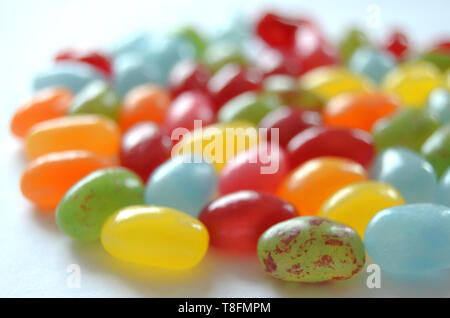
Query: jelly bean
[(186, 109), (218, 143), (277, 31), (436, 149), (412, 82), (279, 83), (143, 148), (46, 104), (220, 54), (73, 76), (328, 81), (235, 30), (144, 103), (183, 182), (440, 60), (438, 104), (193, 36), (358, 110), (97, 98), (95, 59), (261, 168), (86, 206), (322, 141), (289, 121), (371, 63), (155, 236), (42, 184), (188, 75), (82, 132), (139, 42), (350, 205), (443, 191), (311, 249), (408, 172), (407, 127), (271, 62), (311, 184), (418, 239), (398, 45), (352, 40), (230, 81), (235, 221)]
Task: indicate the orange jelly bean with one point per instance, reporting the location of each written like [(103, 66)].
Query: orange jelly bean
[(46, 104), (312, 183), (47, 178), (358, 110), (143, 103), (96, 133)]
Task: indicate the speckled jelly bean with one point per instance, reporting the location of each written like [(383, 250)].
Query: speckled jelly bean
[(410, 239), (438, 104), (372, 63), (443, 191), (350, 42), (155, 236), (86, 206), (436, 149), (311, 249)]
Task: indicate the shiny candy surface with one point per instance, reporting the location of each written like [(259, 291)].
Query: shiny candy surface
[(96, 59), (277, 31), (443, 191), (438, 104), (311, 249), (351, 41), (372, 63), (155, 236), (437, 149), (188, 75), (397, 44)]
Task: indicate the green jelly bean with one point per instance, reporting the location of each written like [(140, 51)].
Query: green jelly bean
[(311, 249), (219, 54), (194, 37), (437, 149), (408, 128), (86, 206), (351, 41), (441, 60), (291, 93)]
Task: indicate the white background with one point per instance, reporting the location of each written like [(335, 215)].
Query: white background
[(34, 254)]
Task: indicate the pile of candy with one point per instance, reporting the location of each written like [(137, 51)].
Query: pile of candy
[(157, 148)]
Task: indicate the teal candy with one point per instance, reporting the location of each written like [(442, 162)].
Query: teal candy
[(371, 63), (236, 30), (184, 183), (139, 42), (410, 239), (408, 172), (438, 105), (443, 192)]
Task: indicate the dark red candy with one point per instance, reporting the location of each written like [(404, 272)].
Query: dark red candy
[(354, 144), (289, 121), (188, 75), (96, 59), (442, 46), (143, 148), (397, 44), (277, 31), (236, 221)]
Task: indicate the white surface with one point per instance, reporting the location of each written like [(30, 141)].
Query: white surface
[(34, 254)]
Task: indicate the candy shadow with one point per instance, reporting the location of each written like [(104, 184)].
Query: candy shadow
[(44, 219)]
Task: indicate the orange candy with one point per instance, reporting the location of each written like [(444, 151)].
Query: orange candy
[(312, 183), (46, 104), (358, 110), (48, 178), (95, 133), (145, 102)]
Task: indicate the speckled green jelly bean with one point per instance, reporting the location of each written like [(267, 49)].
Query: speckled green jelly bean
[(85, 207), (311, 249), (97, 98), (437, 149)]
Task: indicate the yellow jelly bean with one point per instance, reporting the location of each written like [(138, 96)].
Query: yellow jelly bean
[(156, 236), (329, 81), (411, 83), (356, 204)]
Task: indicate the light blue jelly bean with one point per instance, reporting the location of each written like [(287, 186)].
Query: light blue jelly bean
[(443, 192), (186, 183), (236, 30), (438, 104), (410, 239), (139, 42), (74, 76), (372, 63), (408, 172)]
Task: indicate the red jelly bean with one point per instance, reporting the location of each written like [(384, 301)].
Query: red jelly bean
[(397, 44), (289, 121), (442, 46), (236, 221), (98, 60), (355, 144), (271, 62), (277, 31), (261, 168), (188, 75), (143, 148), (188, 107)]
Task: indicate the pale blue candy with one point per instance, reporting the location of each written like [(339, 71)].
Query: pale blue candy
[(443, 192), (186, 183), (236, 30), (408, 172), (410, 239), (139, 42), (438, 104), (74, 76), (371, 63)]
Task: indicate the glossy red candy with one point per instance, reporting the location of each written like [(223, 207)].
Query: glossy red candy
[(236, 221), (143, 148), (188, 75), (351, 143), (277, 31), (261, 168), (289, 121), (271, 62), (397, 44), (442, 46), (96, 59)]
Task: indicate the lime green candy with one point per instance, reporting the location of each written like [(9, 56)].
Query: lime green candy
[(441, 60), (86, 206), (408, 128), (97, 98), (194, 37), (351, 41), (311, 249), (437, 149)]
